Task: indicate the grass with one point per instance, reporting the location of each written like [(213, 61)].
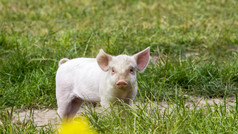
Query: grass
[(193, 48), (149, 118), (9, 126)]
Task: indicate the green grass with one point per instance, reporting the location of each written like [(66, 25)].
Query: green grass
[(146, 117), (179, 118), (195, 43), (9, 125)]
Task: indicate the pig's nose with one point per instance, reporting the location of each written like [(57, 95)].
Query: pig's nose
[(121, 83)]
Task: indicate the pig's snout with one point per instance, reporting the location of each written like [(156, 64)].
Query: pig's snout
[(121, 84)]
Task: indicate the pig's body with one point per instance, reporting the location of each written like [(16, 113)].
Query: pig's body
[(83, 78), (91, 80), (72, 76)]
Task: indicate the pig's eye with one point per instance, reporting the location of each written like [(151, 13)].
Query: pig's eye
[(113, 71), (132, 71)]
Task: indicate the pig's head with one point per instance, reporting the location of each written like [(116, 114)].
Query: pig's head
[(122, 68)]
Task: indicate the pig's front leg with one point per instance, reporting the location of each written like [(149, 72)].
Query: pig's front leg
[(131, 96), (105, 103), (128, 101)]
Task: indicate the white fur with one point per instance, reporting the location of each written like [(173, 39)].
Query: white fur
[(82, 80)]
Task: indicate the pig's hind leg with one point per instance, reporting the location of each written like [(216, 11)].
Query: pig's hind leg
[(74, 106), (69, 107)]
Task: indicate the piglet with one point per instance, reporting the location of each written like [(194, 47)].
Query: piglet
[(103, 79)]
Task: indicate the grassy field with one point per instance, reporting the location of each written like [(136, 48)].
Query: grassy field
[(193, 49)]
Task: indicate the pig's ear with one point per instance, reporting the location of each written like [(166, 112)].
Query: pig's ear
[(103, 60), (142, 59)]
